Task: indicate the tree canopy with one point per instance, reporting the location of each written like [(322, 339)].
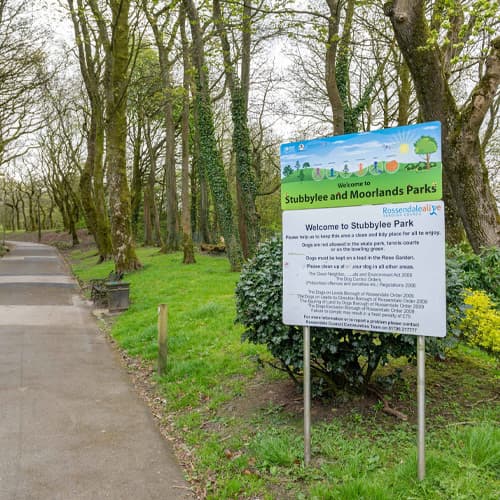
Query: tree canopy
[(161, 123)]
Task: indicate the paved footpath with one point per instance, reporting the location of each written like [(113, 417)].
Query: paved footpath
[(71, 425)]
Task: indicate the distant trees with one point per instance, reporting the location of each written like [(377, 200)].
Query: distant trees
[(184, 105), (60, 150), (23, 74)]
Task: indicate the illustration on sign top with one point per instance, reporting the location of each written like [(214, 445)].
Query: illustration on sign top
[(400, 164)]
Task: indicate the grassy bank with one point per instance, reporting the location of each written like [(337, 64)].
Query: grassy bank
[(237, 423)]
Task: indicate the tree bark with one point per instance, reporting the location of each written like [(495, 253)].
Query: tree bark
[(137, 181), (123, 247), (467, 191), (246, 189), (404, 94), (172, 236), (330, 63), (92, 175), (209, 152), (187, 239)]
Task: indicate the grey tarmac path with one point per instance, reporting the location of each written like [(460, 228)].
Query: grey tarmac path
[(71, 425)]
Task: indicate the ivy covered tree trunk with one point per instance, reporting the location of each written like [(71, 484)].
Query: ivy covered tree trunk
[(466, 186), (123, 248), (187, 239), (137, 181), (209, 152), (199, 189), (346, 115), (249, 227)]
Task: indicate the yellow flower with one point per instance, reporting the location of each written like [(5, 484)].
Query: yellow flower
[(481, 324)]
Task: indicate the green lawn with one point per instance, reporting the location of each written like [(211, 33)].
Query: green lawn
[(239, 423)]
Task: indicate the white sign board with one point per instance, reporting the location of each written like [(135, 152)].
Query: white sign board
[(372, 267)]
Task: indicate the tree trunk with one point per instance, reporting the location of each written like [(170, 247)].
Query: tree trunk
[(246, 189), (123, 248), (187, 240), (467, 190), (92, 187), (212, 160), (404, 94), (148, 228), (172, 236), (136, 184), (330, 72), (92, 175), (203, 197), (152, 229)]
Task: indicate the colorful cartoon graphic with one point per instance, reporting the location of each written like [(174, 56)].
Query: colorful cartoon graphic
[(385, 166)]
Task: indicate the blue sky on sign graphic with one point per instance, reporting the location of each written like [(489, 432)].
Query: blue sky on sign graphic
[(363, 148)]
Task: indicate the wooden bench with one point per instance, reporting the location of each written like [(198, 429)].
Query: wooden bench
[(98, 288)]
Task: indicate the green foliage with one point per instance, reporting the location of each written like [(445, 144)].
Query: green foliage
[(340, 359), (466, 271), (277, 448), (477, 271), (481, 324)]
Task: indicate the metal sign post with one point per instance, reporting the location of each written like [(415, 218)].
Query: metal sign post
[(307, 395), (421, 406)]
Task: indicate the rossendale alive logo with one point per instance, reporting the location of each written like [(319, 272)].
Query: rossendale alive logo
[(395, 165)]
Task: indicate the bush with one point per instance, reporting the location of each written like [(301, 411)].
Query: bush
[(340, 359), (466, 270), (477, 271), (481, 324)]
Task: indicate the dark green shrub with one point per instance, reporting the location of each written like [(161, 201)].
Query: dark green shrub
[(467, 271), (340, 359), (477, 271)]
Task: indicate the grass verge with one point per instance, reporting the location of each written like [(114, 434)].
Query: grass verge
[(238, 425)]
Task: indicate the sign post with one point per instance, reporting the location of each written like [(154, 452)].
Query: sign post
[(363, 241), (421, 407), (307, 395)]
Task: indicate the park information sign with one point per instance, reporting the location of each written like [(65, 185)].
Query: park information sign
[(378, 268), (396, 165), (370, 255)]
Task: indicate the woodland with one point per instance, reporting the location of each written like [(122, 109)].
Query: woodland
[(158, 123)]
